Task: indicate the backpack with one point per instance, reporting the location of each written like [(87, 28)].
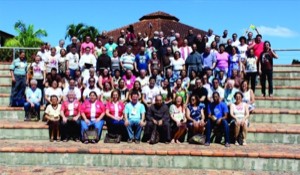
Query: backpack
[(197, 139), (154, 136), (90, 135)]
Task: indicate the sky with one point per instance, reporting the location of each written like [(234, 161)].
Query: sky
[(276, 20)]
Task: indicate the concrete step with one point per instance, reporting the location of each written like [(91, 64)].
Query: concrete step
[(286, 73), (278, 102), (275, 115), (269, 157), (281, 91), (5, 65), (286, 67), (257, 132), (285, 81), (5, 72), (55, 169)]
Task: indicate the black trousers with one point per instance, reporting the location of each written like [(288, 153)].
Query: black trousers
[(251, 78), (266, 75), (164, 131), (70, 129)]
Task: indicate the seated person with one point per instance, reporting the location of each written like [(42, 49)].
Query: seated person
[(158, 114), (52, 114), (70, 113), (178, 113), (33, 100), (91, 88), (92, 113), (229, 92), (248, 96), (240, 113), (134, 116), (195, 116), (72, 87), (53, 90), (114, 114), (217, 116), (53, 75)]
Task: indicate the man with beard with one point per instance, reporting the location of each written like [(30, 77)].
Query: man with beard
[(110, 46), (141, 60), (103, 61), (194, 61), (200, 43)]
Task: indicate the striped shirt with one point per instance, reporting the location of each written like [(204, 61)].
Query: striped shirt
[(128, 60), (19, 67)]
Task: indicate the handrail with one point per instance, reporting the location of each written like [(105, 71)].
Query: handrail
[(33, 48)]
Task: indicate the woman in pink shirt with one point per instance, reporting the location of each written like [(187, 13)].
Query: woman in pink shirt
[(70, 113), (92, 112), (129, 79), (222, 58), (114, 114)]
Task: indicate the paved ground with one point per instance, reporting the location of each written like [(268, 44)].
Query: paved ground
[(288, 151), (27, 170)]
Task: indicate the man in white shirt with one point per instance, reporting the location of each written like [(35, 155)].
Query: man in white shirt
[(72, 87), (143, 79), (210, 36), (42, 53), (235, 41), (216, 88), (90, 75), (60, 46), (150, 92), (72, 61), (91, 88), (87, 61)]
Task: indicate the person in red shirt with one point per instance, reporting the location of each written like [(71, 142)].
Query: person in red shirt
[(114, 114), (266, 68), (92, 113), (70, 113)]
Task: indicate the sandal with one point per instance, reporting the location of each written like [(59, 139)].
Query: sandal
[(236, 143), (244, 143)]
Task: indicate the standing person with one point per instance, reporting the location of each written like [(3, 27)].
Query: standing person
[(52, 114), (266, 69), (103, 62), (33, 99), (217, 116), (178, 112), (39, 74), (194, 61), (127, 60), (60, 46), (18, 71), (178, 64), (72, 61), (87, 61), (73, 44), (92, 113), (224, 37), (110, 46), (141, 61), (190, 37), (134, 116), (257, 46), (70, 113), (235, 41), (98, 49), (62, 62), (208, 59), (185, 50), (222, 58), (158, 114), (179, 90), (234, 62), (251, 68), (52, 60), (248, 96), (150, 92), (150, 48), (200, 43), (240, 113), (154, 63), (115, 62), (87, 44)]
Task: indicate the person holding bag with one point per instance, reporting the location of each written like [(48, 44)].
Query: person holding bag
[(92, 113)]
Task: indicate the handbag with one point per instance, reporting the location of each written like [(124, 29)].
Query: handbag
[(154, 136), (90, 135), (112, 138), (197, 139), (33, 114)]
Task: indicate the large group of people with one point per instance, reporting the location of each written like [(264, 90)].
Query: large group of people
[(179, 86)]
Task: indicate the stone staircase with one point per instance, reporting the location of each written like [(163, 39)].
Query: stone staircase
[(273, 141)]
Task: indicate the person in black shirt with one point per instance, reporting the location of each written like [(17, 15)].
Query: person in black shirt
[(103, 61), (200, 91)]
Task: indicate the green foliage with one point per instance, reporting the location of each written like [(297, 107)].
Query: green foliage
[(27, 36), (80, 31)]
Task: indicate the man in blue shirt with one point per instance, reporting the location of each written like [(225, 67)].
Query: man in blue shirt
[(18, 71), (134, 116), (33, 99), (141, 60), (217, 115)]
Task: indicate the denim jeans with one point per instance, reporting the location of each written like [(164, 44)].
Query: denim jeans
[(98, 125), (138, 131), (27, 107), (210, 125), (18, 88)]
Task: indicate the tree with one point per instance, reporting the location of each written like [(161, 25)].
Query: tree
[(27, 36), (80, 31)]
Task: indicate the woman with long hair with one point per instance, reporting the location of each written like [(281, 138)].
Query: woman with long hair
[(178, 113)]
